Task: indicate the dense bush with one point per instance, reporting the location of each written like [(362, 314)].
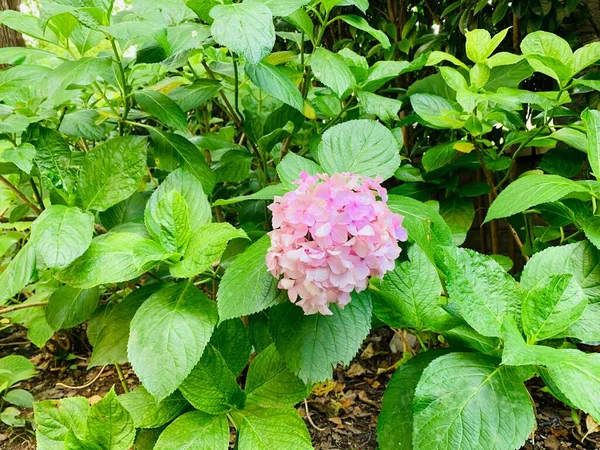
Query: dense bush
[(143, 147)]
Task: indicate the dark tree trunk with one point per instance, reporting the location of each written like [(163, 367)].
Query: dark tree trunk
[(8, 37)]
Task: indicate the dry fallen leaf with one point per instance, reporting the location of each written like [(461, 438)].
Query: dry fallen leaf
[(94, 399), (322, 389), (362, 395), (368, 352), (355, 370), (591, 425)]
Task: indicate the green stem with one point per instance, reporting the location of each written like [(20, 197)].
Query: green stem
[(122, 377), (19, 194)]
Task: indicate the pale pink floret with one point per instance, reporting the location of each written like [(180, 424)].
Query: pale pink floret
[(329, 236)]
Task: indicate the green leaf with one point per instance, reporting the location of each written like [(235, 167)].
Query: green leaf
[(247, 287), (205, 248), (463, 336), (72, 442), (384, 71), (244, 28), (195, 430), (311, 345), (62, 234), (53, 158), (436, 110), (56, 418), (585, 56), (290, 167), (112, 258), (192, 157), (549, 54), (174, 221), (176, 317), (302, 21), (480, 45), (456, 391), (395, 424), (79, 72), (364, 147), (572, 138), (458, 214), (577, 379), (163, 108), (146, 412), (591, 120), (211, 387), (194, 95), (110, 347), (481, 290), (19, 397), (69, 306), (275, 83), (424, 226), (437, 57), (18, 273), (128, 211), (189, 188), (270, 383), (453, 78), (331, 70), (529, 191), (109, 424), (386, 109), (22, 156), (112, 171), (84, 123), (410, 293), (282, 8), (270, 428), (15, 368), (586, 328), (552, 307), (362, 24), (231, 340), (439, 156)]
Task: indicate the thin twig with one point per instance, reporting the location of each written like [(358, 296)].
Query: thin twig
[(309, 418), (22, 306), (19, 194), (84, 385)]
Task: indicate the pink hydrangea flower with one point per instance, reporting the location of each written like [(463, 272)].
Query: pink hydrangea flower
[(329, 236)]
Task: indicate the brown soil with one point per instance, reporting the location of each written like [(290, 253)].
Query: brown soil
[(341, 414)]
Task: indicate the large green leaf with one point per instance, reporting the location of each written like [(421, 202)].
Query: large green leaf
[(84, 123), (458, 213), (551, 307), (78, 72), (211, 387), (247, 287), (385, 108), (364, 147), (69, 306), (62, 234), (333, 71), (585, 56), (112, 258), (174, 221), (460, 403), (395, 424), (163, 108), (195, 430), (275, 82), (311, 345), (110, 346), (15, 368), (480, 45), (591, 119), (18, 273), (205, 248), (244, 28), (112, 171), (410, 294), (177, 317), (362, 24), (587, 327), (22, 156), (577, 378), (146, 412), (531, 190), (109, 425), (190, 188), (270, 383), (271, 428), (56, 418), (481, 290)]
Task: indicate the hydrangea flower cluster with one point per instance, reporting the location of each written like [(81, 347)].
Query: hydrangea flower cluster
[(329, 236)]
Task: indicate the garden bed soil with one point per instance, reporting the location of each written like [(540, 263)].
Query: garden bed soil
[(340, 415)]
